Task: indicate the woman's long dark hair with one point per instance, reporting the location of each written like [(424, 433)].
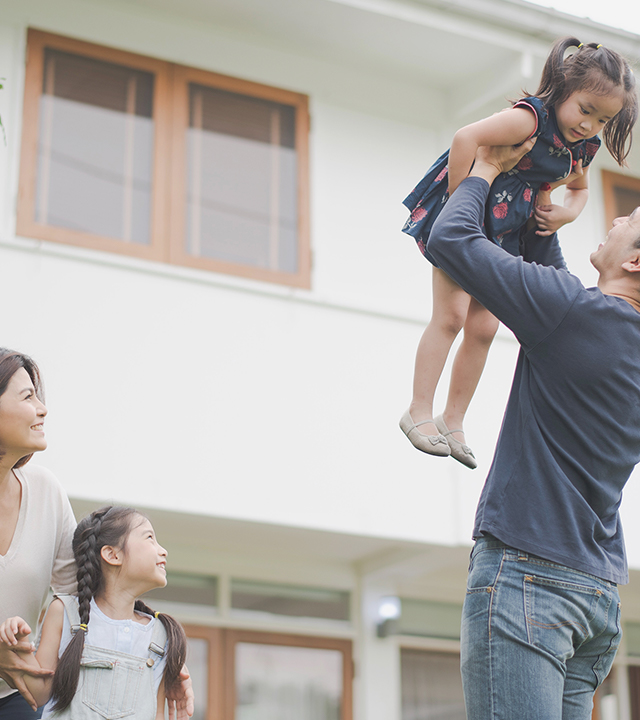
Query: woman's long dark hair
[(593, 68), (107, 526), (10, 362)]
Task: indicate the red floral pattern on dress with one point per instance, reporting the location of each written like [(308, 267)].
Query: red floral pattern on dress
[(500, 210), (591, 149), (442, 173), (513, 194)]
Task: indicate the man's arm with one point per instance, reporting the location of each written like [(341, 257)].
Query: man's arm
[(530, 299)]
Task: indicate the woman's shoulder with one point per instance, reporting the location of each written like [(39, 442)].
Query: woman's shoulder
[(39, 475), (43, 486)]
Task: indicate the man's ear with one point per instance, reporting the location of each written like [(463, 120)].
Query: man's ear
[(111, 555), (632, 265)]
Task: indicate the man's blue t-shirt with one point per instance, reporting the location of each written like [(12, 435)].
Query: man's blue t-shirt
[(570, 437)]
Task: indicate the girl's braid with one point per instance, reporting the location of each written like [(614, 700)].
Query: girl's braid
[(87, 555), (86, 549)]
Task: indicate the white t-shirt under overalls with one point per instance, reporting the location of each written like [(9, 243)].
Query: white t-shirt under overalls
[(122, 666)]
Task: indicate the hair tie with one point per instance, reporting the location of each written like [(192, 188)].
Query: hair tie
[(156, 613), (83, 627), (598, 47), (579, 46)]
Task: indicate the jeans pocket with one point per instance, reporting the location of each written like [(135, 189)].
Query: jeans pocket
[(110, 688), (484, 569), (559, 614)]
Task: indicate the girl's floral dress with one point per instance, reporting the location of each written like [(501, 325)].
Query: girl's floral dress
[(513, 194)]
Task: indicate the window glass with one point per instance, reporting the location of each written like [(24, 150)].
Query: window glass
[(277, 682), (627, 200), (621, 195), (431, 686), (290, 600), (186, 593), (242, 180), (95, 148), (430, 619)]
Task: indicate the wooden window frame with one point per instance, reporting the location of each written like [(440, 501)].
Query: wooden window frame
[(233, 637), (182, 77), (215, 679), (171, 119), (610, 180), (27, 226)]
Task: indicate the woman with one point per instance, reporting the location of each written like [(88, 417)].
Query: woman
[(36, 521), (36, 529)]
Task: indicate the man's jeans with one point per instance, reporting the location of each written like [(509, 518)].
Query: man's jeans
[(537, 638)]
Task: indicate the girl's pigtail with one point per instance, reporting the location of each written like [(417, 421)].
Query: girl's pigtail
[(617, 133), (176, 644), (65, 680), (553, 74)]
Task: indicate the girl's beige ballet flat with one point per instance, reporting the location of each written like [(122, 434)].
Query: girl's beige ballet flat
[(430, 444), (459, 451)]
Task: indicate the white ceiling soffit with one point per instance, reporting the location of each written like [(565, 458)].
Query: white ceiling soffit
[(475, 52), (497, 21)]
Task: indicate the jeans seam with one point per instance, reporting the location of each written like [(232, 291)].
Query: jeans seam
[(608, 585), (608, 650), (493, 590)]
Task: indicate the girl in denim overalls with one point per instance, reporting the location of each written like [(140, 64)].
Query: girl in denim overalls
[(113, 656)]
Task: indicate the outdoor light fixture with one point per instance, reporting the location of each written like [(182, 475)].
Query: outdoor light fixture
[(389, 610)]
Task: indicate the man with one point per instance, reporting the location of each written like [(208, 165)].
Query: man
[(541, 621)]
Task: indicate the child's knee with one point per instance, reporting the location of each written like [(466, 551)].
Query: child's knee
[(482, 329), (451, 321)]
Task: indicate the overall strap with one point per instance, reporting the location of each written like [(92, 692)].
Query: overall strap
[(71, 608), (158, 640)]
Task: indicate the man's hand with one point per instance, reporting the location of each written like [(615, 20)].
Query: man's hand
[(491, 161), (180, 697)]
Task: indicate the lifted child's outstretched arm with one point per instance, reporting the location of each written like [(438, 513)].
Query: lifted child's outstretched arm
[(15, 629), (509, 127)]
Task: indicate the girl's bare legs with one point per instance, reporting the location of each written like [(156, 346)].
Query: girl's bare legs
[(479, 330), (450, 308)]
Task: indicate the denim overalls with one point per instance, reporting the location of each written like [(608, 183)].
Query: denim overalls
[(113, 684)]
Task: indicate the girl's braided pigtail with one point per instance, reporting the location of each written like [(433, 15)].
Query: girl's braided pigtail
[(87, 554), (176, 644)]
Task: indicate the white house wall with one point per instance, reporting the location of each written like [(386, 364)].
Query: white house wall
[(203, 393)]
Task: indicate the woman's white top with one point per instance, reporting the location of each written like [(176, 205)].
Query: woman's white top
[(40, 553)]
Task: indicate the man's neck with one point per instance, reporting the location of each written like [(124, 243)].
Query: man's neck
[(630, 295)]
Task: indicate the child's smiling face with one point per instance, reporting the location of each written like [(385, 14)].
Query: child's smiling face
[(583, 114), (145, 559)]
